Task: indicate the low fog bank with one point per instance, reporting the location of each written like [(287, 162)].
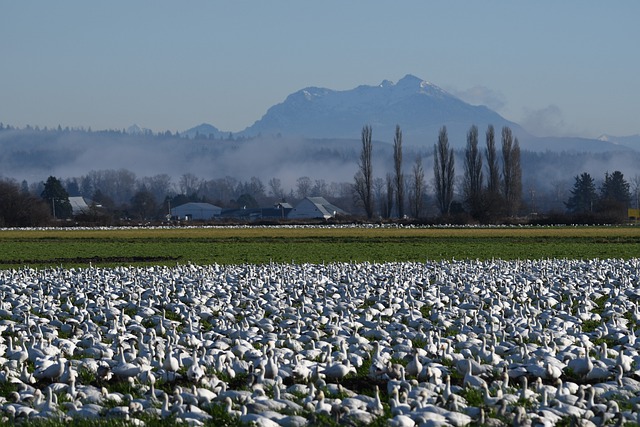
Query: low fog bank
[(33, 155)]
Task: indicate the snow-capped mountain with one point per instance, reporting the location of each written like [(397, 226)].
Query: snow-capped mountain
[(631, 141), (419, 107)]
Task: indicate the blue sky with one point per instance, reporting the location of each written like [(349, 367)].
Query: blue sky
[(558, 68)]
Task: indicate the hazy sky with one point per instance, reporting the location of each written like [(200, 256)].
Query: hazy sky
[(556, 67)]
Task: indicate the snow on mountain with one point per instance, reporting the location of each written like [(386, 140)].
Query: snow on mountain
[(419, 107), (631, 141)]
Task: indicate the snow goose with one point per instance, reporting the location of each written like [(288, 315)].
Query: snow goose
[(50, 370), (471, 380), (414, 367)]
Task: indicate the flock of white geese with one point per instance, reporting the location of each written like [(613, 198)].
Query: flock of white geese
[(426, 344)]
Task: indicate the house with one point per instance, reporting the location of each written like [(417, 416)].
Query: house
[(79, 205), (315, 207), (196, 211)]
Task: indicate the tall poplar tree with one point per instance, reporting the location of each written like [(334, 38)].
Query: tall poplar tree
[(443, 170), (364, 176), (399, 176), (473, 177), (511, 172)]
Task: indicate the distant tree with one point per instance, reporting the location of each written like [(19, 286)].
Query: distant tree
[(399, 176), (159, 185), (416, 201), (20, 209), (583, 195), (615, 188), (379, 195), (493, 169), (143, 205), (256, 188), (72, 187), (103, 200), (635, 190), (24, 187), (320, 188), (364, 177), (443, 170), (511, 172), (473, 178), (303, 187), (492, 197), (188, 184), (275, 189), (391, 186), (615, 195), (246, 201), (57, 197)]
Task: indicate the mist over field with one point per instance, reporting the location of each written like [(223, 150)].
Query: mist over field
[(33, 155)]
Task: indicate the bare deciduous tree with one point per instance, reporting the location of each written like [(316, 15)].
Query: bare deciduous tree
[(303, 186), (188, 184), (275, 188)]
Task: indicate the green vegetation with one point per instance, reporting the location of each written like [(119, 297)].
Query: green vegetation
[(81, 248)]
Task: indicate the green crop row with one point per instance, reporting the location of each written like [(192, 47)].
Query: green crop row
[(236, 246)]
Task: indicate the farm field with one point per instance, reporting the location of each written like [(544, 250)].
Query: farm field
[(460, 342), (228, 245), (320, 326)]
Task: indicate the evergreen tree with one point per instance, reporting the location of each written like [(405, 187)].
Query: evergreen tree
[(615, 188), (57, 197), (615, 196), (583, 195)]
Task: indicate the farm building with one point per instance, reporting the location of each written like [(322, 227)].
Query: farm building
[(79, 205), (196, 211), (315, 207), (278, 211)]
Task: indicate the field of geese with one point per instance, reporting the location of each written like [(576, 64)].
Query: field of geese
[(437, 343)]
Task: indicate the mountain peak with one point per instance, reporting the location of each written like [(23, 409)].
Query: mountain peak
[(420, 107), (410, 80)]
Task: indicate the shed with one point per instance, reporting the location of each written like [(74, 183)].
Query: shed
[(315, 207), (196, 211)]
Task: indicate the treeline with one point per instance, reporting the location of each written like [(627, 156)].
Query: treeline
[(492, 182), (143, 133), (118, 196), (490, 189), (497, 199)]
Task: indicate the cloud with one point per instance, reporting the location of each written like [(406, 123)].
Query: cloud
[(481, 95), (548, 121)]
